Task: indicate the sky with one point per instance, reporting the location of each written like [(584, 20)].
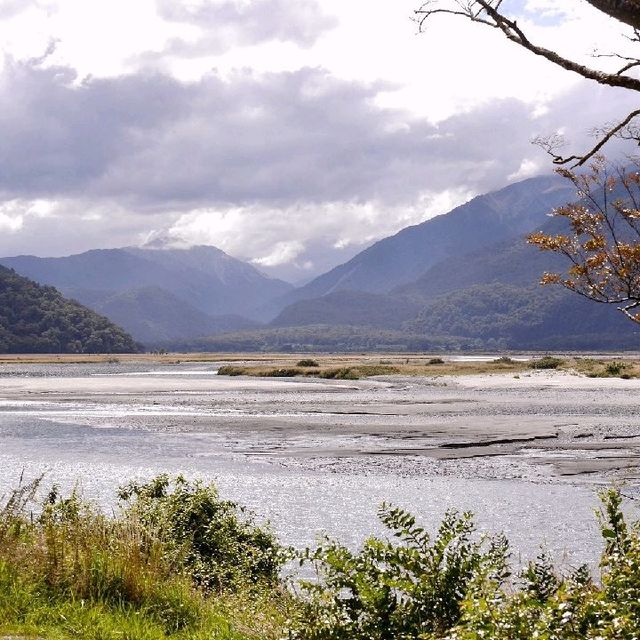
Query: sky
[(291, 134)]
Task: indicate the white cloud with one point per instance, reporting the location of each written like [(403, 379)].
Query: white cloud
[(10, 223), (317, 235), (282, 253), (321, 127), (16, 213), (529, 167)]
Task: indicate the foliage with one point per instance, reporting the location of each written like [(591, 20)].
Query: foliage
[(331, 373), (615, 368), (341, 373), (571, 607), (38, 319), (435, 361), (216, 540), (452, 587), (547, 362), (155, 571), (602, 247), (72, 572), (319, 338), (307, 362), (405, 590)]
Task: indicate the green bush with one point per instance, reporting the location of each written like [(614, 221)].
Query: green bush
[(452, 587), (144, 574), (547, 362), (307, 362), (230, 370), (615, 368), (343, 373), (405, 590), (216, 541), (285, 372)]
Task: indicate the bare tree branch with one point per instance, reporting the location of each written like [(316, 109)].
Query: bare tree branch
[(487, 12)]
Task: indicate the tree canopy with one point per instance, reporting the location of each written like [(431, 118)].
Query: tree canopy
[(38, 319)]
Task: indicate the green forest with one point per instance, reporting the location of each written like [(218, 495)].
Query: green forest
[(38, 319)]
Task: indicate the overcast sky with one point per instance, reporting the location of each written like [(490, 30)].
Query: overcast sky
[(289, 133)]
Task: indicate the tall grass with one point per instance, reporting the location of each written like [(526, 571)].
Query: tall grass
[(69, 571)]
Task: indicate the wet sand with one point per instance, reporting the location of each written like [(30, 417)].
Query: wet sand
[(540, 425)]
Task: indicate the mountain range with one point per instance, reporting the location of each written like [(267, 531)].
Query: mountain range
[(466, 279), (159, 294)]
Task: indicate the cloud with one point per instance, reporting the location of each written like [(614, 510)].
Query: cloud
[(11, 8), (302, 238), (157, 143), (287, 168), (223, 24)]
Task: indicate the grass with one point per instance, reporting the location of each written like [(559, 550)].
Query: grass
[(177, 562), (598, 368), (72, 572), (353, 367), (547, 362)]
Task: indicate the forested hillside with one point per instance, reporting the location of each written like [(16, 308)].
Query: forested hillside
[(38, 319)]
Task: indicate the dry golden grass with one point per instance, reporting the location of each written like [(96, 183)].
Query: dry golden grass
[(364, 365)]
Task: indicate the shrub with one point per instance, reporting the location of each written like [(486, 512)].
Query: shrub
[(230, 370), (615, 368), (282, 373), (307, 362), (547, 362), (72, 572), (452, 587), (344, 373), (504, 360), (435, 361), (215, 540), (405, 590)]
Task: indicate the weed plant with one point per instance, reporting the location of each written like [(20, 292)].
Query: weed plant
[(178, 562), (307, 362)]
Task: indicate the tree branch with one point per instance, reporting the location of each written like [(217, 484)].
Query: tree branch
[(627, 11), (487, 12)]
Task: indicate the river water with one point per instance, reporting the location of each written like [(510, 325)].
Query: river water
[(291, 451)]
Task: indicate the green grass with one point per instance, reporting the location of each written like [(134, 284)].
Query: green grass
[(72, 572), (177, 562), (546, 362)]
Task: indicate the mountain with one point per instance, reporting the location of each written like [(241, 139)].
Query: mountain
[(480, 222), (488, 297), (533, 317), (159, 293), (152, 315), (38, 319), (349, 308), (205, 277), (511, 261)]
